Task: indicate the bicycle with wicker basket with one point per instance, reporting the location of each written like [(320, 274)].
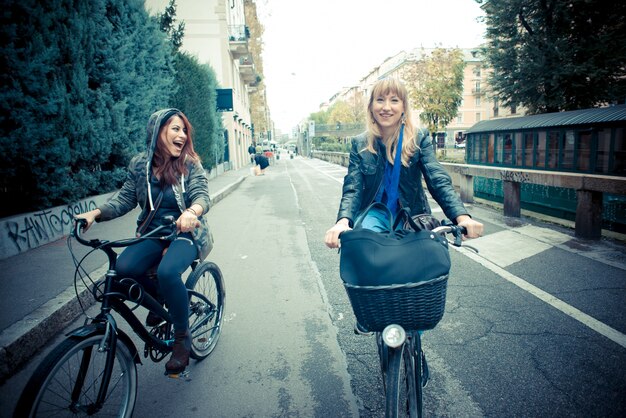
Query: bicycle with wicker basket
[(397, 314)]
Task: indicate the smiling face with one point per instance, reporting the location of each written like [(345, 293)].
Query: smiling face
[(387, 111), (173, 136)]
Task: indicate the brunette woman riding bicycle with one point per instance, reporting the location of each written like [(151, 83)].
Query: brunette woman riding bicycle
[(166, 180)]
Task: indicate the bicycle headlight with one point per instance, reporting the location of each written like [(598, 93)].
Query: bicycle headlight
[(394, 335)]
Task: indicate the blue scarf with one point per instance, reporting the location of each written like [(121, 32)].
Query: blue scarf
[(392, 178)]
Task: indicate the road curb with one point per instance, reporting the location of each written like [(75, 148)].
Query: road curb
[(22, 340)]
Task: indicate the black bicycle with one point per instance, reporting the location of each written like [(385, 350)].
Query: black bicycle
[(94, 370), (399, 313)]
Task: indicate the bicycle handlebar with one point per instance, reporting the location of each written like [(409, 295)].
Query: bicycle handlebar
[(80, 223), (448, 227)]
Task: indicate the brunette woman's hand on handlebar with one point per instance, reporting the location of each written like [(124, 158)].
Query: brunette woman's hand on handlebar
[(331, 239), (187, 221), (474, 228), (90, 217)]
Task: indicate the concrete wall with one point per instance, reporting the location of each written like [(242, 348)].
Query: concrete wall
[(27, 231)]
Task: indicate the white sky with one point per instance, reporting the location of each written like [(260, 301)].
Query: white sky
[(313, 48)]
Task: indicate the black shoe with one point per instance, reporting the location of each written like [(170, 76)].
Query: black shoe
[(152, 320)]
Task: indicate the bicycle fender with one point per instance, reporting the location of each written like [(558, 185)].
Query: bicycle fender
[(99, 328)]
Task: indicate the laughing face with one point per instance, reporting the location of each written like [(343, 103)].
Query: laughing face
[(174, 137)]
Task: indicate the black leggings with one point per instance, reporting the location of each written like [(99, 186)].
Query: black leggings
[(135, 260)]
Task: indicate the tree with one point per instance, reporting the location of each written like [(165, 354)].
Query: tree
[(435, 85), (196, 96), (83, 78), (553, 55), (320, 117), (167, 24), (340, 112)]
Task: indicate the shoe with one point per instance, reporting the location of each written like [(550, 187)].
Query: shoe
[(152, 320), (180, 353)]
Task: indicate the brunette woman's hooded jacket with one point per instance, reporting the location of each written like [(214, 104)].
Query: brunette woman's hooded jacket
[(365, 176), (191, 189)]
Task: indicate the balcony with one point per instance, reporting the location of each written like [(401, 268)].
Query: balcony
[(247, 70), (238, 36), (477, 91)]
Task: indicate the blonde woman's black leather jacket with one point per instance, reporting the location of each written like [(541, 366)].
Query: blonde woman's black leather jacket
[(366, 172)]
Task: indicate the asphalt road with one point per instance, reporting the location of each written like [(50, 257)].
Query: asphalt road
[(534, 326)]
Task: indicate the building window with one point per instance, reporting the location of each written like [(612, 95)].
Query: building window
[(529, 142), (553, 149), (518, 149), (477, 100), (477, 116), (568, 150), (619, 152), (584, 151), (490, 148), (513, 109), (508, 149), (540, 160), (459, 118)]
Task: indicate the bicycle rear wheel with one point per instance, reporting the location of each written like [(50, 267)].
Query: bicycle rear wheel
[(206, 308), (400, 383), (67, 382)]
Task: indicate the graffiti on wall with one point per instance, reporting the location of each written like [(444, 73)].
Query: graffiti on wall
[(37, 228), (515, 176)]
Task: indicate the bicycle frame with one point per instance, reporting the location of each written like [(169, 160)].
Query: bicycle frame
[(114, 294)]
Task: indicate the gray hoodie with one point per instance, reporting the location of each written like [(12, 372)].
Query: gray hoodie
[(191, 189)]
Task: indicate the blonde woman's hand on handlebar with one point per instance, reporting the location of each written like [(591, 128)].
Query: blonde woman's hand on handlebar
[(474, 228), (331, 239), (90, 217)]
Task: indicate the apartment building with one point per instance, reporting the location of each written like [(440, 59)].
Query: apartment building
[(217, 34), (476, 105)]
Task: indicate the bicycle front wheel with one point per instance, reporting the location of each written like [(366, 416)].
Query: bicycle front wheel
[(206, 308), (67, 382), (400, 384)]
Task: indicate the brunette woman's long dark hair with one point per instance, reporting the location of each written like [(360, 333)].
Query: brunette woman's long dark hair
[(170, 169)]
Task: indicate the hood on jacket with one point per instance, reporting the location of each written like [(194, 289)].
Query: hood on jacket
[(155, 123)]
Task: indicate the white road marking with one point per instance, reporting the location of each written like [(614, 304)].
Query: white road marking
[(324, 173), (507, 247), (551, 300)]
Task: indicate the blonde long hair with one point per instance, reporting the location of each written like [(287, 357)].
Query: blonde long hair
[(409, 146)]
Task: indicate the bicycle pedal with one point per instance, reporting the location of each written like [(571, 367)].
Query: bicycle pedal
[(182, 375)]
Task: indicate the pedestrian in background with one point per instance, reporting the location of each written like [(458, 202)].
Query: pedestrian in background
[(371, 163), (262, 163), (251, 152), (166, 180)]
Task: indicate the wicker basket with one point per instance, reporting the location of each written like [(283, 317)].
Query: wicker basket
[(414, 306)]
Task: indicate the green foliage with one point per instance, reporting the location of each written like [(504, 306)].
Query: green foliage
[(340, 111), (435, 85), (196, 96), (320, 118), (167, 21), (330, 143), (553, 55), (83, 78)]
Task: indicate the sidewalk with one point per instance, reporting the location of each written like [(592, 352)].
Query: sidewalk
[(39, 299)]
